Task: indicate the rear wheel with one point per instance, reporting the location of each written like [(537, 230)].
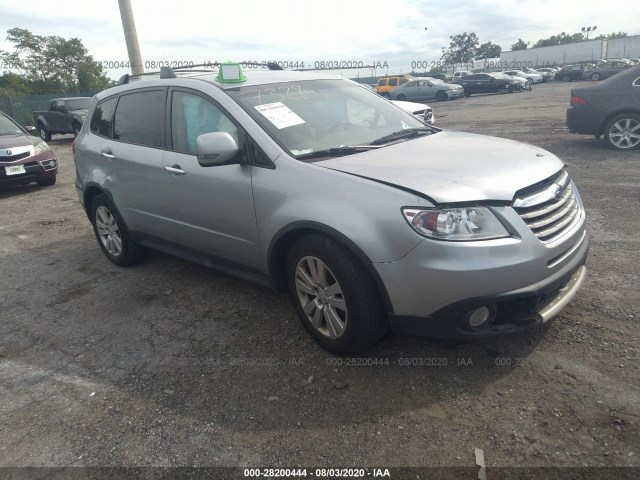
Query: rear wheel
[(566, 78), (623, 131), (442, 96), (402, 97), (386, 95), (334, 295), (76, 129), (530, 80), (112, 233), (595, 77)]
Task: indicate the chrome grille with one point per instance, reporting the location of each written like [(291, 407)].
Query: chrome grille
[(551, 209)]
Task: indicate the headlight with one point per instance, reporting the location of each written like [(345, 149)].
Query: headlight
[(455, 224), (41, 148)]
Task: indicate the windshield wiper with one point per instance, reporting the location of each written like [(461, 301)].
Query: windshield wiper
[(404, 133), (337, 151)]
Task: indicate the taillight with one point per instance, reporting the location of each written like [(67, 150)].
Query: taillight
[(575, 100), (73, 147)]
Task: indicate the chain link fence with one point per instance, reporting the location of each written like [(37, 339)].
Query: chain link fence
[(21, 108)]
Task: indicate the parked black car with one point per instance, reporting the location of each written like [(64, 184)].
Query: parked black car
[(23, 157), (611, 108), (487, 83), (569, 73)]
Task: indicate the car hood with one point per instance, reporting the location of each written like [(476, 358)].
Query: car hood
[(18, 140), (411, 107), (450, 167)]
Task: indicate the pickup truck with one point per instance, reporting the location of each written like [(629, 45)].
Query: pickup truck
[(65, 115)]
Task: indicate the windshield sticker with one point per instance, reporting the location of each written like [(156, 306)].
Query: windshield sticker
[(279, 114)]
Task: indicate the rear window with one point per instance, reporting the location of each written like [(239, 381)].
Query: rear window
[(102, 118)]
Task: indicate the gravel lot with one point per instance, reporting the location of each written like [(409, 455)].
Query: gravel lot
[(171, 364)]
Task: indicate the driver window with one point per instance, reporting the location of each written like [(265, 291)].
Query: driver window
[(191, 116)]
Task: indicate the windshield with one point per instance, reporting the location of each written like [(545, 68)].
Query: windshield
[(318, 115), (78, 104), (7, 127)]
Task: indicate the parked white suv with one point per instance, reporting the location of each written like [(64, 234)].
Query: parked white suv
[(309, 183)]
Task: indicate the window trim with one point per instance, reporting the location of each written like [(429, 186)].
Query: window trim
[(104, 100)]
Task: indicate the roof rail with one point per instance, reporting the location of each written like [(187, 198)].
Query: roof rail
[(170, 72)]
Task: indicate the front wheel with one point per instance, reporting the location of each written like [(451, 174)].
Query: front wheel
[(623, 131), (529, 81), (566, 78), (76, 129), (112, 233), (386, 95), (47, 181), (442, 96), (44, 133), (402, 97), (595, 77), (334, 296)]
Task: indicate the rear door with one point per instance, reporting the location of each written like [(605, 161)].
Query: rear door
[(135, 157)]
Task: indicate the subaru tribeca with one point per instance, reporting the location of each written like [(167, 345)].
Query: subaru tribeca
[(309, 183)]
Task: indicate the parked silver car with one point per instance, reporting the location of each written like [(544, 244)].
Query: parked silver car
[(309, 183), (427, 89)]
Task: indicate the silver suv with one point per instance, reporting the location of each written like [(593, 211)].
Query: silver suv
[(310, 183)]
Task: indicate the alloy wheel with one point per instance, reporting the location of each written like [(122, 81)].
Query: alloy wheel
[(625, 133), (321, 297), (108, 231)]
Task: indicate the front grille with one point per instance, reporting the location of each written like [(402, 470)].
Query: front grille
[(14, 158), (550, 209)]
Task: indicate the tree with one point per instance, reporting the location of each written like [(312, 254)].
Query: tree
[(462, 48), (54, 61), (519, 45), (13, 84), (488, 50), (561, 39), (612, 35)]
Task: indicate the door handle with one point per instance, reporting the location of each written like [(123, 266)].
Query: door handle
[(108, 155), (175, 170)]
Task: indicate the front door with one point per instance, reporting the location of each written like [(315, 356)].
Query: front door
[(210, 208)]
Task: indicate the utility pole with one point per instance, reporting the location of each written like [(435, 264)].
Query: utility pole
[(131, 37)]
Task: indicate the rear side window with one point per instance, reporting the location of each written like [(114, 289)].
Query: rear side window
[(139, 118), (102, 119), (403, 80), (393, 82)]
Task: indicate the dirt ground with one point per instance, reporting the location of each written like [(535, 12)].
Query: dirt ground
[(171, 364)]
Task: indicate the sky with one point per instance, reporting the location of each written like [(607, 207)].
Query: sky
[(392, 38)]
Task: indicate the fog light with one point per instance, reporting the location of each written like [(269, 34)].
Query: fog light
[(479, 316)]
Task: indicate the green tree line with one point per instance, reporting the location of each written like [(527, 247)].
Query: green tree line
[(40, 64)]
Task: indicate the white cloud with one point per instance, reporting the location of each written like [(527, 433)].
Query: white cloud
[(307, 31)]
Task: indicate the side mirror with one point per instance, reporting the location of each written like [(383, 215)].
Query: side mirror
[(31, 130), (215, 148)]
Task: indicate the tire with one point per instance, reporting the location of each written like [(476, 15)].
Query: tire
[(530, 81), (402, 97), (112, 233), (44, 133), (343, 309), (467, 94), (622, 132), (513, 88), (76, 129), (566, 78), (595, 77), (47, 181), (442, 96), (386, 95)]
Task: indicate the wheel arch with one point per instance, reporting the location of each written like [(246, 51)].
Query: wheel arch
[(615, 114), (91, 192), (288, 235)]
